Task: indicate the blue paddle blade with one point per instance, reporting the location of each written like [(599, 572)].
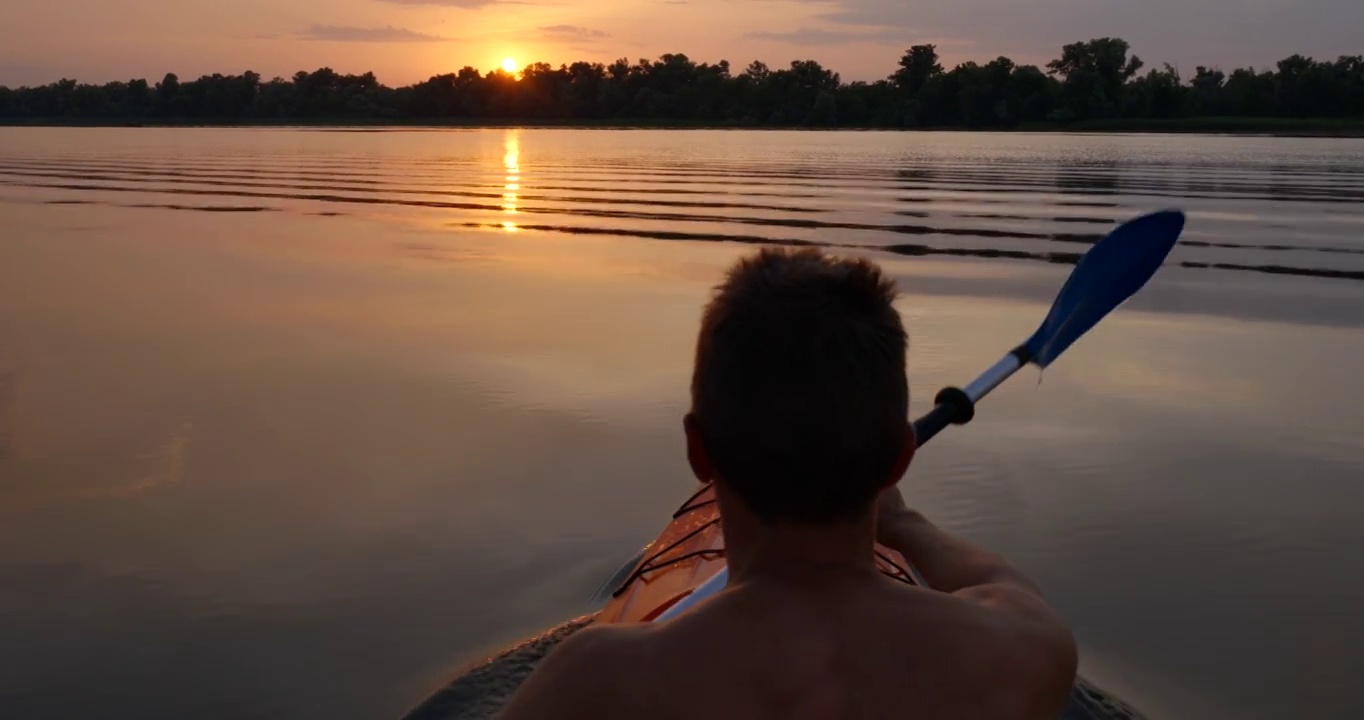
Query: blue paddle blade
[(1115, 268)]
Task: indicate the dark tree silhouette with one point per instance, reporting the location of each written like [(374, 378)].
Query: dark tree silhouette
[(1094, 80), (918, 64), (1094, 75)]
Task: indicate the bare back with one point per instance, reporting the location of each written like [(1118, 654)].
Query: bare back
[(866, 648)]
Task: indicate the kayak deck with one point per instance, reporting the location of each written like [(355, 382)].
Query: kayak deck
[(689, 551)]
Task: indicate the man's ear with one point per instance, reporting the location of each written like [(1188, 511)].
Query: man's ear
[(906, 456), (696, 449)]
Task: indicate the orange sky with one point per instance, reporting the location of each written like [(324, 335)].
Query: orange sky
[(408, 40)]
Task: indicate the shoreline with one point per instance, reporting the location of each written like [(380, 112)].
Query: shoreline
[(1252, 127)]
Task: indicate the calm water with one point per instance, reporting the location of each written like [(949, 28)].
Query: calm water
[(293, 423)]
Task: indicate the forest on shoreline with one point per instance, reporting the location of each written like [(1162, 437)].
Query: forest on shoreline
[(1095, 85)]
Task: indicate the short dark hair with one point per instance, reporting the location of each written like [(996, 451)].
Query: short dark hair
[(799, 386)]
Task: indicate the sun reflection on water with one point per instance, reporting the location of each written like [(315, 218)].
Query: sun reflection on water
[(511, 162)]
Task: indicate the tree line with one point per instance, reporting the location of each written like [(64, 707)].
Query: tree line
[(1095, 80)]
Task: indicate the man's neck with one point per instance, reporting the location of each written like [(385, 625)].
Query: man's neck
[(795, 552)]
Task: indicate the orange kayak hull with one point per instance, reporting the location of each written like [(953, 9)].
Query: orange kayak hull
[(690, 551)]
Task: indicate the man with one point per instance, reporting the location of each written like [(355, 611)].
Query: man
[(799, 405)]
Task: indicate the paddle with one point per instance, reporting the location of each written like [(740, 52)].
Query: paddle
[(1112, 271)]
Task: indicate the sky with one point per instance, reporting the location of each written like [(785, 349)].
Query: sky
[(404, 41)]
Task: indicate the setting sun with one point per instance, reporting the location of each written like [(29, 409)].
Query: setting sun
[(510, 65)]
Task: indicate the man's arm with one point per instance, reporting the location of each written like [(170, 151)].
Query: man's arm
[(949, 564), (573, 681), (1031, 643)]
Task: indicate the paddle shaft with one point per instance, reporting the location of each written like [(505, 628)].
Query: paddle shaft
[(957, 406)]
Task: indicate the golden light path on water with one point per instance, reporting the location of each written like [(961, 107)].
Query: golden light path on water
[(511, 161)]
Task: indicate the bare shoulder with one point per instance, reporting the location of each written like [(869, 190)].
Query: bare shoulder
[(1021, 620), (587, 676), (1018, 643), (601, 643)]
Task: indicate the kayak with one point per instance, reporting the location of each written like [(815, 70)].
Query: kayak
[(686, 564), (675, 571)]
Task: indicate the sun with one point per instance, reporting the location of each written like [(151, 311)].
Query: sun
[(510, 65)]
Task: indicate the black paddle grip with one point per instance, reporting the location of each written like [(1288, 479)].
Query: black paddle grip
[(952, 407)]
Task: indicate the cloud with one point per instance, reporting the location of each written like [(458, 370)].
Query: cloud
[(388, 34), (821, 36), (1212, 32), (953, 16), (467, 4), (15, 75), (571, 32)]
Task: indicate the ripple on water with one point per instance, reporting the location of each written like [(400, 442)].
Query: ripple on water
[(1011, 207)]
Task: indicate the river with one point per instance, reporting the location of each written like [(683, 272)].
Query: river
[(293, 423)]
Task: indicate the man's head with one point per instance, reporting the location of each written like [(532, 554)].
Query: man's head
[(799, 397)]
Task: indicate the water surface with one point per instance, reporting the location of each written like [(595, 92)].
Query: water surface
[(292, 423)]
